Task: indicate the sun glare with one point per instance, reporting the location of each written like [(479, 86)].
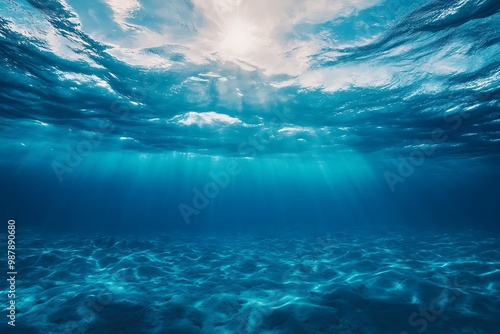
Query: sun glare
[(238, 37)]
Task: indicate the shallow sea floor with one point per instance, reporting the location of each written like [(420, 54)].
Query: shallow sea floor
[(336, 283)]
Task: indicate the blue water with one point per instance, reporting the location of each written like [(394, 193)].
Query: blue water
[(252, 166)]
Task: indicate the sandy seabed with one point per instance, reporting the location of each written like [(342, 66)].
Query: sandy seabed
[(338, 283)]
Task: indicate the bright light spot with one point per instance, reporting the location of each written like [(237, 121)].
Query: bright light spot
[(206, 118), (292, 130), (41, 123), (238, 37)]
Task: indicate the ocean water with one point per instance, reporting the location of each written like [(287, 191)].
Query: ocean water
[(237, 166)]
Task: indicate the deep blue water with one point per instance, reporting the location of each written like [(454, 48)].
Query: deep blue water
[(251, 166)]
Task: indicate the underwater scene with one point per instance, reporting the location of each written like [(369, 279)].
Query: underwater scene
[(250, 166)]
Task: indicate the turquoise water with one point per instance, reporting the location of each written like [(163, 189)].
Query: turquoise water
[(225, 138)]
